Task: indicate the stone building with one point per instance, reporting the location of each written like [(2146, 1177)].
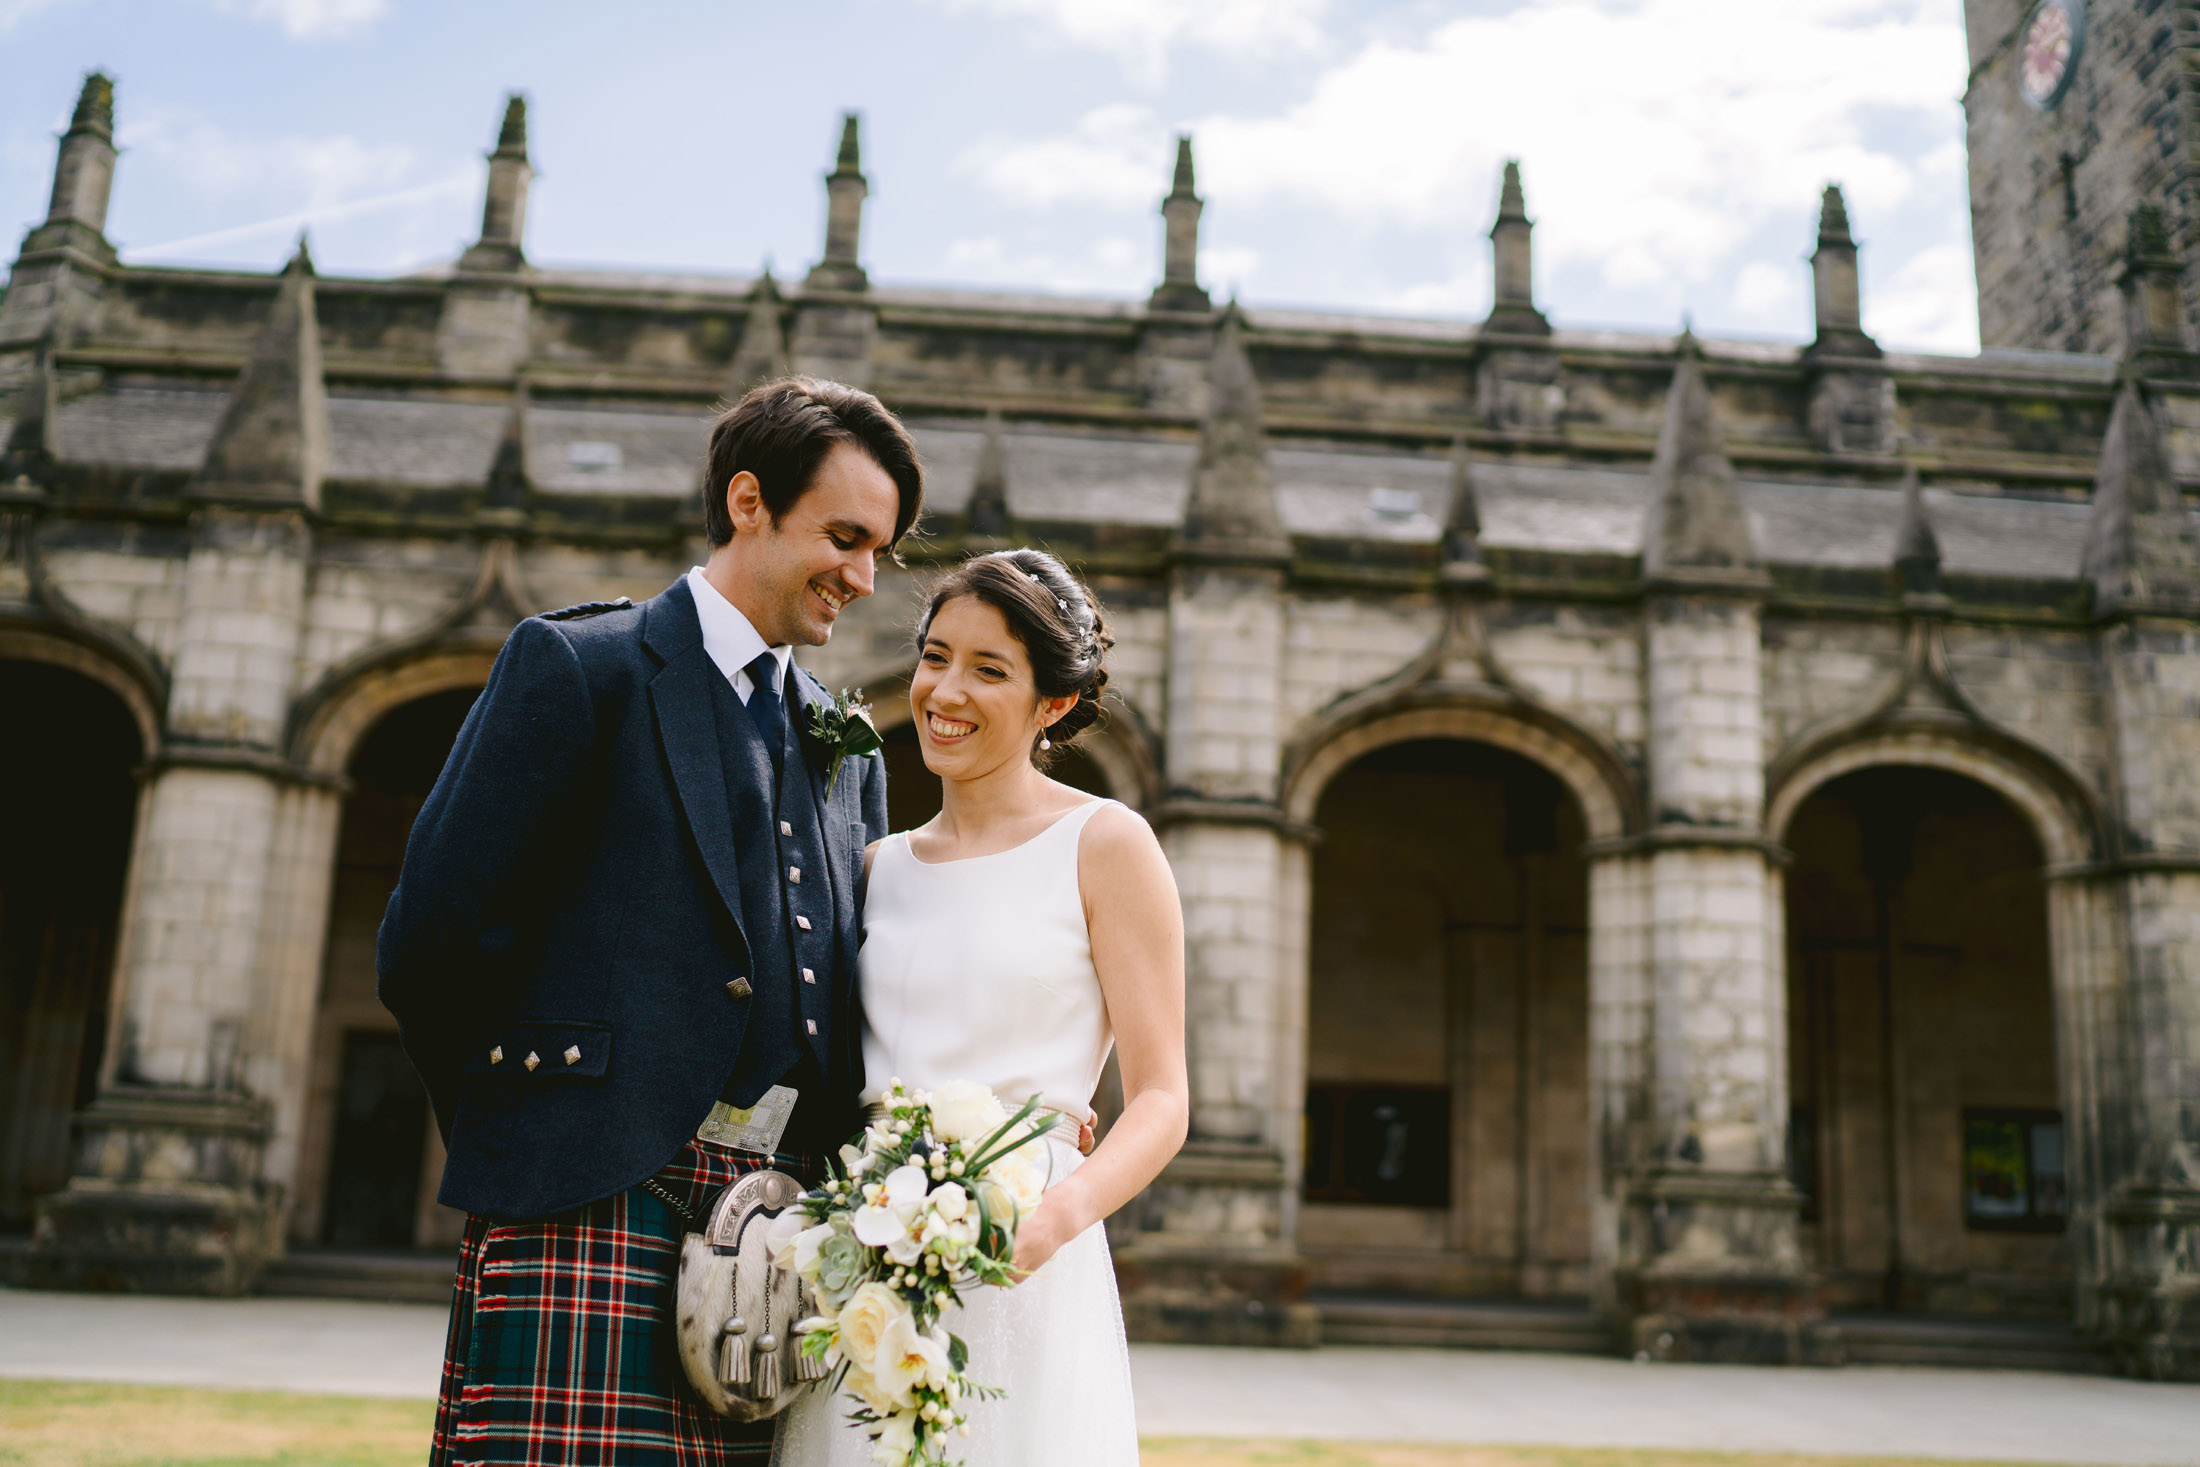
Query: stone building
[(1704, 832)]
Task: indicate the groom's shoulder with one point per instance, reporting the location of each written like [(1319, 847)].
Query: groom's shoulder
[(598, 629)]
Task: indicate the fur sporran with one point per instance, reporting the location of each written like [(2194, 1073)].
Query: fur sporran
[(737, 1309)]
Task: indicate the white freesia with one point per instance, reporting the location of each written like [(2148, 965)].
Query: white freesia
[(906, 1359), (963, 1110), (950, 1201)]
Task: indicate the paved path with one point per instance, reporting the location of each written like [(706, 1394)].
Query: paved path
[(1369, 1394)]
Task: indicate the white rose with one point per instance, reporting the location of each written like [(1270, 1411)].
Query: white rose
[(896, 1439), (963, 1110), (1022, 1178), (864, 1320), (906, 1359)]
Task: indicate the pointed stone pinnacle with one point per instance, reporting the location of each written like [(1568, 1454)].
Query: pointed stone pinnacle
[(987, 518), (850, 160), (1833, 219), (1512, 200), (762, 352), (272, 443), (1695, 523), (95, 106), (2141, 551), (1181, 187), (512, 136), (1916, 547), (1232, 509), (508, 478)]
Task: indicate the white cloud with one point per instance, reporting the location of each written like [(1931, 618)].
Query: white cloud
[(1109, 264), (1931, 304), (302, 171), (1658, 137), (311, 20), (1765, 289), (13, 12), (1140, 34)]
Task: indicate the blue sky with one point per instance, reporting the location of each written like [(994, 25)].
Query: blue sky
[(1349, 152)]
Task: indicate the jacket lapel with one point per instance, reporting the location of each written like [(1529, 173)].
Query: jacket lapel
[(687, 730)]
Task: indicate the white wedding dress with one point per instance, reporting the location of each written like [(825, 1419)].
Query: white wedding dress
[(981, 969)]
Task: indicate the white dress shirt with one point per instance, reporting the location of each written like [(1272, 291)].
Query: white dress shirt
[(731, 640)]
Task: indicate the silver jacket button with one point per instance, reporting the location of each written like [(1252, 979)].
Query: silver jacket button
[(794, 874), (739, 988), (573, 1054), (533, 1059), (496, 1055)]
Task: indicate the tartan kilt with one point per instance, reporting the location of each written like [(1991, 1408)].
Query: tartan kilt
[(561, 1350)]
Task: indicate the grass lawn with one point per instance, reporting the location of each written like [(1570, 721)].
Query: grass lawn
[(64, 1424)]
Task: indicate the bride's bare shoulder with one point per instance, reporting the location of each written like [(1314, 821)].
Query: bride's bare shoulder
[(1117, 842)]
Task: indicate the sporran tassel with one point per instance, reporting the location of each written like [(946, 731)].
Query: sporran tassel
[(767, 1368), (733, 1354), (808, 1366)]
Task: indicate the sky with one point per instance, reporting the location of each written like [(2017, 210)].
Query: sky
[(1349, 151)]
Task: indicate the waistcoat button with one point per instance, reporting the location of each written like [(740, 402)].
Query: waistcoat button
[(739, 988)]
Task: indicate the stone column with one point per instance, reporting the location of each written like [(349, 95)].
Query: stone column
[(835, 324), (219, 947), (1709, 1263), (2143, 558), (1216, 1258)]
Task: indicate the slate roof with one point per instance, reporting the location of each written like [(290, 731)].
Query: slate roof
[(1107, 477)]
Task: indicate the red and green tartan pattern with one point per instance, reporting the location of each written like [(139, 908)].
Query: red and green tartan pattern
[(561, 1350)]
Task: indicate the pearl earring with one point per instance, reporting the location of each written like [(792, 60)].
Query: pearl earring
[(1045, 743)]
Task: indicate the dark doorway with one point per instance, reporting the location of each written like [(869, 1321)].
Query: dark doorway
[(371, 1161), (1447, 1130), (1927, 1128), (69, 747)]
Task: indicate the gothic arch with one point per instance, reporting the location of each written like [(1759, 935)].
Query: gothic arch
[(2052, 800), (136, 684), (332, 719), (1591, 771)]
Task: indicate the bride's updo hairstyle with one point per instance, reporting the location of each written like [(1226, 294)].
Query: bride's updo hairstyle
[(1052, 615)]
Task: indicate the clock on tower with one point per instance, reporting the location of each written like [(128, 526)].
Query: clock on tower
[(2051, 41)]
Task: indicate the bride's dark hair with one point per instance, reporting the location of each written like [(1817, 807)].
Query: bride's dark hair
[(1052, 614)]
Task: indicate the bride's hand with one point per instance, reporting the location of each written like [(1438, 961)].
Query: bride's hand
[(1038, 1238)]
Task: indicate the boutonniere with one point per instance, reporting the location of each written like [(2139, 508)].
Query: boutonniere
[(843, 727)]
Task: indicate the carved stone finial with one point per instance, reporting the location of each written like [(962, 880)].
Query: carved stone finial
[(1512, 199), (987, 517), (2141, 552), (841, 268), (1232, 511), (849, 161), (95, 106), (1180, 289), (1512, 294), (512, 135), (1833, 218), (272, 444), (1696, 528)]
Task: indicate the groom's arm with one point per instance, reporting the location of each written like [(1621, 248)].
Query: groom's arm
[(465, 907)]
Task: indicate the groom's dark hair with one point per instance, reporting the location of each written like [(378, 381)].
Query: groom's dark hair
[(781, 431)]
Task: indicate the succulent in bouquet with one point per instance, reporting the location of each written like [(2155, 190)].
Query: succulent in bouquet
[(922, 1206)]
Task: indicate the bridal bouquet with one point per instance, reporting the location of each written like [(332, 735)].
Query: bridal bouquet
[(925, 1207)]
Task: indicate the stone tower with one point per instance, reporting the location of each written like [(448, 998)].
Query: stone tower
[(2077, 112)]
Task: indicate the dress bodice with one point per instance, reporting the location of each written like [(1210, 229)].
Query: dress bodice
[(981, 969)]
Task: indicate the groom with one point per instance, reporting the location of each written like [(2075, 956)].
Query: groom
[(622, 948)]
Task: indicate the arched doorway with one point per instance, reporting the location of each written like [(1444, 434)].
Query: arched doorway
[(1927, 1131), (70, 747), (371, 1158), (1447, 1104)]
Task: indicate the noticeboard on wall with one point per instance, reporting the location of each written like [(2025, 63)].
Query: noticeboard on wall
[(2013, 1177)]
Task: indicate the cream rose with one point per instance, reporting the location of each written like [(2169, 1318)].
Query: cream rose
[(864, 1320), (963, 1110)]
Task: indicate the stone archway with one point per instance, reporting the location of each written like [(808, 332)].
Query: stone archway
[(1927, 1131), (370, 1159), (70, 744), (1447, 903)]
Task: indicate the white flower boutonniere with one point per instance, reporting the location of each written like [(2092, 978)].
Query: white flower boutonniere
[(843, 727)]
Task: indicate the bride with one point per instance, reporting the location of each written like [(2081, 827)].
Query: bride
[(1012, 940)]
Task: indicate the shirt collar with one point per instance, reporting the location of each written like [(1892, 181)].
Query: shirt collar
[(732, 641)]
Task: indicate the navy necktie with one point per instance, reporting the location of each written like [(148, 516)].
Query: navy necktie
[(765, 707)]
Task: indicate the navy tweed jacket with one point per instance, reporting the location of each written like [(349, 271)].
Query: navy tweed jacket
[(571, 891)]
